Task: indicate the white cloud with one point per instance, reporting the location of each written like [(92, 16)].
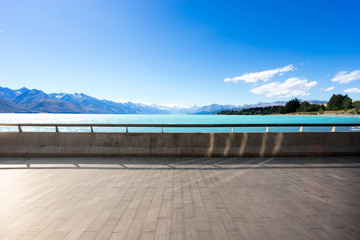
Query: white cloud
[(290, 88), (352, 90), (346, 77), (261, 76), (329, 89)]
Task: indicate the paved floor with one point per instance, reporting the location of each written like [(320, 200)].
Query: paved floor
[(180, 198)]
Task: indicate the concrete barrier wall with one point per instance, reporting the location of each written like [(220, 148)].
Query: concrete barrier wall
[(179, 144)]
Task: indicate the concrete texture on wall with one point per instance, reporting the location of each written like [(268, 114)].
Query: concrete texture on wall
[(180, 144)]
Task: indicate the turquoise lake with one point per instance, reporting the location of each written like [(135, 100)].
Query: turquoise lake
[(174, 119)]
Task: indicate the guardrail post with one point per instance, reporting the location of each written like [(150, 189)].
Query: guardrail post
[(127, 130), (92, 130), (198, 130), (232, 129), (301, 129), (333, 129), (267, 129), (162, 129), (56, 129), (20, 130)]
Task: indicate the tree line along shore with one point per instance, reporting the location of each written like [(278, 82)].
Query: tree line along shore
[(338, 104)]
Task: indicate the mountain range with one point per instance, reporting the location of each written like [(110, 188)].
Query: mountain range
[(25, 100)]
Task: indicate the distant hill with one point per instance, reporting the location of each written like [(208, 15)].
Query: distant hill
[(106, 106), (260, 104), (29, 97), (270, 104), (26, 100), (9, 94), (213, 109), (34, 100), (49, 105), (292, 106), (94, 104), (9, 107), (317, 101)]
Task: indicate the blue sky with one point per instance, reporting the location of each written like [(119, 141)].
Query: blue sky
[(184, 52)]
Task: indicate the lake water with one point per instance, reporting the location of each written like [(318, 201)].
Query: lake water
[(175, 119)]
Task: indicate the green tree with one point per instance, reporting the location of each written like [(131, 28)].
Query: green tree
[(335, 102), (356, 105), (322, 107), (313, 107), (338, 102), (346, 103), (292, 105), (303, 106), (281, 110)]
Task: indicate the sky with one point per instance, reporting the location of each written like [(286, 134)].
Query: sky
[(182, 52)]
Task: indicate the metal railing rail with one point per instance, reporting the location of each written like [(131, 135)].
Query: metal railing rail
[(162, 126)]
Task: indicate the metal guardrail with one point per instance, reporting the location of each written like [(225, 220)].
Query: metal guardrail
[(162, 126)]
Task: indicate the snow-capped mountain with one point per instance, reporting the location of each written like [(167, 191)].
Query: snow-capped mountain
[(27, 100)]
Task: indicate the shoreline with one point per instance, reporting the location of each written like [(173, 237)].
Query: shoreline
[(345, 115), (309, 115), (323, 115)]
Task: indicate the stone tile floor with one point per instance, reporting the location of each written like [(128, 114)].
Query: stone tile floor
[(180, 198)]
